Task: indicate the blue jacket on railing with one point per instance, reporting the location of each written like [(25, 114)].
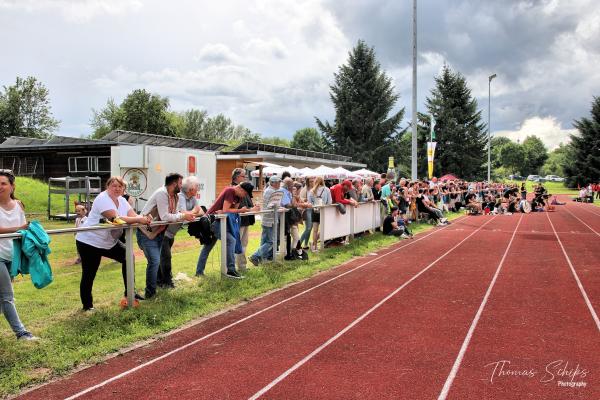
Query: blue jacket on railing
[(233, 226), (30, 255)]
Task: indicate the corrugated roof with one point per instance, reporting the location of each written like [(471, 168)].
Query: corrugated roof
[(253, 146), (18, 141), (120, 136)]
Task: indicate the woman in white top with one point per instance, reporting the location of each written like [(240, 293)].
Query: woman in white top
[(12, 219), (93, 245), (319, 195)]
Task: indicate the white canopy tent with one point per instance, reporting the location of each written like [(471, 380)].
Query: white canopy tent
[(366, 173)]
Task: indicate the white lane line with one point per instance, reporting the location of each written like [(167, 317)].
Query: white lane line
[(463, 349), (588, 208), (579, 284), (196, 341), (580, 220), (357, 320)]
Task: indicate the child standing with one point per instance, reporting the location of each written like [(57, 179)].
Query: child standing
[(79, 220)]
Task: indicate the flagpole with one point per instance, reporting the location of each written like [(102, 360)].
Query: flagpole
[(414, 97)]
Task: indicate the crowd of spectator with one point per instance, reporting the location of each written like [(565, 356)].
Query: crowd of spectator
[(401, 201)]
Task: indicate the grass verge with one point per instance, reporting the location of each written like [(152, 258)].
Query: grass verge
[(71, 338)]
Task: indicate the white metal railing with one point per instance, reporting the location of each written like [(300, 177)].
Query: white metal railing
[(366, 216)]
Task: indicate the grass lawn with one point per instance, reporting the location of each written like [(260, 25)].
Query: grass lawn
[(553, 187), (71, 338)]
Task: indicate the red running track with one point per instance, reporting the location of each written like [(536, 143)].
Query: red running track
[(392, 326)]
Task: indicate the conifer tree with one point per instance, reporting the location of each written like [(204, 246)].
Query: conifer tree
[(584, 165), (363, 97), (460, 134)]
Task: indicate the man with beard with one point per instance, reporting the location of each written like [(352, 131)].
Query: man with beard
[(161, 206)]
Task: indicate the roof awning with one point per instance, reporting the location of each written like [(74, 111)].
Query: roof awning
[(263, 163)]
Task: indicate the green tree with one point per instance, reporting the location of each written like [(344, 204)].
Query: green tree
[(497, 143), (363, 98), (584, 166), (556, 161), (536, 155), (460, 134), (107, 119), (141, 111), (308, 139), (194, 124), (512, 156), (25, 110)]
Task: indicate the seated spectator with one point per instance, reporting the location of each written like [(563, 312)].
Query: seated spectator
[(391, 227), (472, 203)]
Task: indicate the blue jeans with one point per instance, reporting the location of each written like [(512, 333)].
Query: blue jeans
[(206, 249), (151, 249), (265, 251), (307, 227), (7, 300)]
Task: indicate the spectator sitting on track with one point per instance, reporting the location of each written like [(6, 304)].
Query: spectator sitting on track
[(391, 227), (472, 203), (422, 207)]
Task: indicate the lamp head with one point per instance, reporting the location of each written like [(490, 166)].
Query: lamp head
[(492, 77)]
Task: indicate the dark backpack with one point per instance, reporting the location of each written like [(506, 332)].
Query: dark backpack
[(202, 229)]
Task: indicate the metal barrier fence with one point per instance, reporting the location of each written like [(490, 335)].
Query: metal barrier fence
[(365, 217)]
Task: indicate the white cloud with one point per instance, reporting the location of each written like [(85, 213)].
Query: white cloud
[(548, 129), (78, 11)]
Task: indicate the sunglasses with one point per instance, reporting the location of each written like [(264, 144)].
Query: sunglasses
[(8, 172)]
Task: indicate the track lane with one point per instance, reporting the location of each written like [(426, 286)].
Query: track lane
[(405, 348), (535, 330), (368, 280)]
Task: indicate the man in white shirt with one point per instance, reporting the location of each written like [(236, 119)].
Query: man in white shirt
[(162, 206)]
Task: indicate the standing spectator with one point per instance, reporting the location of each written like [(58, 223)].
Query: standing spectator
[(307, 214), (367, 190), (227, 203), (265, 250), (597, 190), (245, 222), (318, 196), (93, 245), (12, 219), (339, 191), (238, 175), (161, 206), (187, 201)]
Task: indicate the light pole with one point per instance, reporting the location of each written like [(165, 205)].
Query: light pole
[(489, 131), (414, 97)]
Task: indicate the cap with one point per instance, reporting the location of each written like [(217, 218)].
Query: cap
[(274, 179)]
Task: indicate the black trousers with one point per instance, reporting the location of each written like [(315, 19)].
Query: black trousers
[(164, 276), (90, 262)]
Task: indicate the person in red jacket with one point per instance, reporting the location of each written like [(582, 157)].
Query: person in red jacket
[(339, 191)]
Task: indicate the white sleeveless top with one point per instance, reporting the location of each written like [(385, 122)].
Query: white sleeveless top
[(9, 219)]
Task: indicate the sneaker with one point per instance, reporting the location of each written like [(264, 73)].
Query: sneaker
[(139, 297), (89, 310), (28, 337), (441, 224), (233, 275), (254, 261), (404, 236), (200, 275)]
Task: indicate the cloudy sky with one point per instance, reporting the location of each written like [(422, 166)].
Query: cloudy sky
[(268, 64)]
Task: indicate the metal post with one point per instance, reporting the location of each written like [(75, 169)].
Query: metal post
[(282, 242), (414, 97), (275, 234), (322, 229), (489, 127), (352, 216), (129, 266), (223, 228)]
